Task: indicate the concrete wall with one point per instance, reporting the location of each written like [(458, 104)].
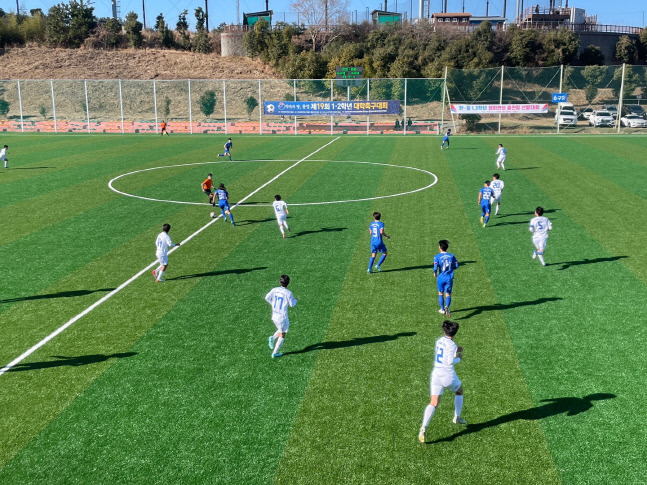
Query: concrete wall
[(231, 44)]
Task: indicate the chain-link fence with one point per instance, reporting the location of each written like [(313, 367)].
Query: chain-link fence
[(427, 106)]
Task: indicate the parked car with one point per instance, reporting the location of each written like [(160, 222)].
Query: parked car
[(633, 121), (586, 113), (566, 117), (601, 118), (611, 108), (635, 109)]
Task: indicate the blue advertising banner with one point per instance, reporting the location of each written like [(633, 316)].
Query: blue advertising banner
[(331, 108), (560, 97)]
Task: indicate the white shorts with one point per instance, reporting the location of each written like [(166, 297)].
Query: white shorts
[(441, 381), (496, 198), (162, 258), (500, 160), (281, 324), (540, 242), (280, 219), (3, 157)]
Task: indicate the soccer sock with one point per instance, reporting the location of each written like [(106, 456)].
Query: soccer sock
[(541, 258), (282, 231), (277, 334), (224, 216), (487, 218), (448, 301), (458, 404), (278, 344), (496, 211), (370, 262), (502, 166), (231, 216), (379, 263), (441, 301), (160, 274), (230, 158), (429, 412)]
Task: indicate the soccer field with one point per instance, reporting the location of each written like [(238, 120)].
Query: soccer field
[(173, 382)]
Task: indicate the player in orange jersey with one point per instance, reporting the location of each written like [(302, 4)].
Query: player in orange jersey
[(206, 188)]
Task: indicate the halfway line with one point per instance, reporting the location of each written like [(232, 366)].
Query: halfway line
[(70, 322)]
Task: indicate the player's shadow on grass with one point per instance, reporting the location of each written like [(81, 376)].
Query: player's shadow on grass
[(29, 168), (218, 273), (341, 344), (422, 266), (509, 223), (571, 406), (323, 229), (60, 294), (521, 168), (477, 310), (63, 361), (254, 221), (529, 213), (568, 264)]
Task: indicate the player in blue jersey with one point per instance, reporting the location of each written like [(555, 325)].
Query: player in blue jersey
[(444, 265), (223, 203), (228, 146), (446, 139), (376, 230), (485, 194)]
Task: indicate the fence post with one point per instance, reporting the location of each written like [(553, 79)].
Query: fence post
[(224, 100), (190, 109), (404, 121), (22, 123), (295, 99), (121, 108), (561, 79), (622, 92), (500, 99), (442, 111), (155, 100), (51, 81), (87, 107), (368, 98), (331, 118), (260, 107)]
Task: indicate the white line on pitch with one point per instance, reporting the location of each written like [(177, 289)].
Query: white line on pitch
[(70, 322)]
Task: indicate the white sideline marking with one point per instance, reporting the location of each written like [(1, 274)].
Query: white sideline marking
[(70, 322), (270, 205)]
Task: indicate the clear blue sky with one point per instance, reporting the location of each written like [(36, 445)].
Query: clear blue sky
[(618, 12)]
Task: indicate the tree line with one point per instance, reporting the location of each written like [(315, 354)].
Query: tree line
[(73, 24)]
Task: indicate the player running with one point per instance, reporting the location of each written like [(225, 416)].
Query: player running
[(280, 298), (163, 129), (444, 376), (281, 211), (228, 146), (539, 226), (485, 194), (502, 153), (163, 243), (444, 265), (497, 187), (3, 156), (446, 139), (206, 188), (376, 230), (223, 203)]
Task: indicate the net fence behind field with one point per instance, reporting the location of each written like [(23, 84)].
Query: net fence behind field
[(426, 106)]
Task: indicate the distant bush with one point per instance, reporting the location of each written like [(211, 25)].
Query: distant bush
[(4, 108), (207, 103), (251, 104), (470, 121)]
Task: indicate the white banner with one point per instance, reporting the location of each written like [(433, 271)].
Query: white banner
[(499, 108)]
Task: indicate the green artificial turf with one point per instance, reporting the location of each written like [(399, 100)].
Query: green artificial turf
[(173, 382)]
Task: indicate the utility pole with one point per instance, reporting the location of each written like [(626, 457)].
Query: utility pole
[(326, 14), (206, 13), (17, 8), (487, 8), (144, 13), (504, 5)]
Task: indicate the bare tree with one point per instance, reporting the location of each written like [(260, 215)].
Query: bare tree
[(319, 15)]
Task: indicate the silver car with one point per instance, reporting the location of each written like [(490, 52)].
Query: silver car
[(633, 121), (601, 118)]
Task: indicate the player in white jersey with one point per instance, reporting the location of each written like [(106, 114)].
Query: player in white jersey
[(3, 156), (162, 245), (500, 161), (443, 376), (539, 226), (497, 187), (281, 211), (280, 298)]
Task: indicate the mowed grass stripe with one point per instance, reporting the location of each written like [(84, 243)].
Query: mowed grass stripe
[(364, 402), (557, 318), (135, 453)]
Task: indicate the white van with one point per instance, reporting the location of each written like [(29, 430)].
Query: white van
[(565, 115)]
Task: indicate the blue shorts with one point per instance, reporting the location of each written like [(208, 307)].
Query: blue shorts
[(445, 284), (378, 248), (485, 208), (224, 205)]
